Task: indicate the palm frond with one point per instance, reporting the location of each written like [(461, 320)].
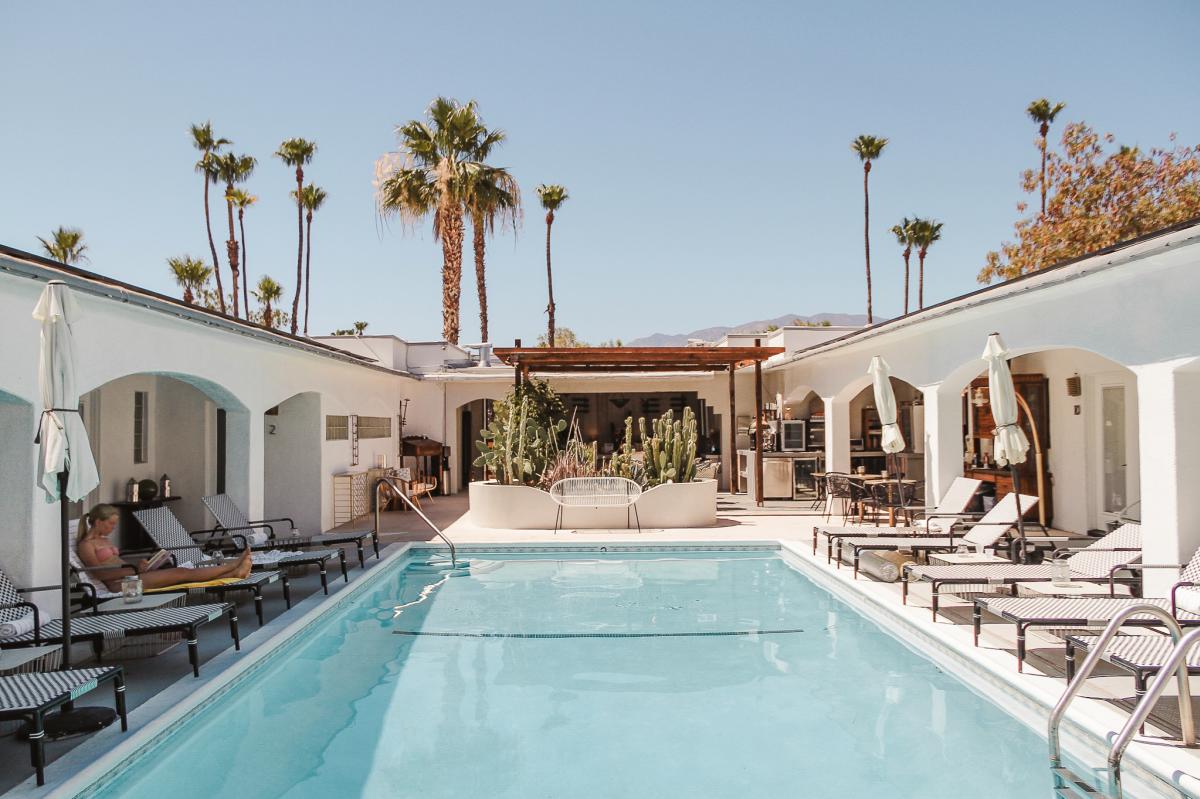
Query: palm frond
[(552, 195), (867, 147)]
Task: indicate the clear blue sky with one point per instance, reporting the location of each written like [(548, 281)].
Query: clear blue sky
[(705, 145)]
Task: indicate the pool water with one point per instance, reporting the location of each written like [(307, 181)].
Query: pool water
[(672, 674)]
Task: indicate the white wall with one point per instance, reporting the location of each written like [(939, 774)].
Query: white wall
[(292, 462), (17, 472)]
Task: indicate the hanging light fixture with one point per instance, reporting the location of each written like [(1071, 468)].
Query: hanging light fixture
[(979, 399)]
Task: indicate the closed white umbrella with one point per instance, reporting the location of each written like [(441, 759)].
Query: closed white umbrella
[(1011, 445), (892, 440), (67, 471)]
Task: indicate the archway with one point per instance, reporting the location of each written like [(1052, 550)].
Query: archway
[(1083, 415), (146, 425)]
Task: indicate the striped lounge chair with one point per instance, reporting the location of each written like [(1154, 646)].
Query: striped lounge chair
[(95, 628), (231, 519), (1096, 563), (980, 535), (937, 520), (30, 697)]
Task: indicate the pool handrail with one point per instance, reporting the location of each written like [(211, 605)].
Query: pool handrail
[(1174, 667), (399, 492)]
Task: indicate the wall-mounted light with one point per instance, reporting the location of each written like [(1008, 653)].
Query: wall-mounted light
[(1074, 386), (979, 399)]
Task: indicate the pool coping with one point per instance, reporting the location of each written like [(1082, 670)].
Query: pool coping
[(95, 763)]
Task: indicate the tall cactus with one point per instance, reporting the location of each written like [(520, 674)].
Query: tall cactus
[(671, 450)]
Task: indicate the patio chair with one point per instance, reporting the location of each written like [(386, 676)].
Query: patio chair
[(167, 533), (1098, 562), (30, 697), (891, 499), (30, 630), (1030, 612), (934, 520), (231, 518), (980, 535), (846, 491), (165, 529)]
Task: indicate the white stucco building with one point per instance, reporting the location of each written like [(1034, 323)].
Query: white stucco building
[(219, 403)]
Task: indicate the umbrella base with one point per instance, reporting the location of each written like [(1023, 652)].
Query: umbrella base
[(77, 721)]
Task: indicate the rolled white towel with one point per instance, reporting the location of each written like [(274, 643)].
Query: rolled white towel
[(256, 538), (1188, 599), (294, 533), (18, 626)]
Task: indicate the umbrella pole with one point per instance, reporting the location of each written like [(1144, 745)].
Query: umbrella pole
[(1016, 478), (65, 575)]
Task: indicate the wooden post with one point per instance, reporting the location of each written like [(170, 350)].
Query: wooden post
[(758, 429), (733, 455), (517, 366)]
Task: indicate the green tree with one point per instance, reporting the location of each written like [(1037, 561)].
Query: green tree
[(904, 237), (925, 233), (563, 337), (1043, 113), (191, 274), (209, 146), (244, 200), (438, 155), (268, 292), (552, 197), (312, 198), (231, 170), (297, 153), (868, 149), (65, 245), (492, 195)]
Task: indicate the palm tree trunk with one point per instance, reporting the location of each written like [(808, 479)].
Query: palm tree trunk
[(907, 253), (1045, 132), (299, 248), (213, 248), (867, 236), (480, 274), (188, 297), (307, 267), (231, 247), (268, 315), (452, 243), (921, 280), (245, 271), (549, 284)]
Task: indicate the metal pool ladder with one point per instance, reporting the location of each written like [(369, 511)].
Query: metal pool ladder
[(1067, 784), (399, 492)]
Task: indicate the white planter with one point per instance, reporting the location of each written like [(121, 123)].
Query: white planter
[(673, 505)]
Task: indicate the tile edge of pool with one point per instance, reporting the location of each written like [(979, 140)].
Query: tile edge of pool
[(95, 763)]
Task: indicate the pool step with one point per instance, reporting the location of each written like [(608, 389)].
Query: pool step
[(1069, 786)]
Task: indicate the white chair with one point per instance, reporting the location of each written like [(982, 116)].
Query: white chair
[(596, 492)]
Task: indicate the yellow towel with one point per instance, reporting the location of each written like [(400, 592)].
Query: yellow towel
[(206, 584)]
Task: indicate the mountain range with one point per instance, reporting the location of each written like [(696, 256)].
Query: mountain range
[(758, 325)]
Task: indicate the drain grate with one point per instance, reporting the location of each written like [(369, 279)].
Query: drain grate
[(437, 634)]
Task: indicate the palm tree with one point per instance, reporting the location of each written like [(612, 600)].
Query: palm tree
[(360, 328), (209, 145), (297, 153), (232, 169), (192, 274), (552, 197), (268, 293), (925, 233), (904, 237), (439, 155), (312, 198), (65, 245), (1041, 112), (868, 148), (492, 193), (244, 200)]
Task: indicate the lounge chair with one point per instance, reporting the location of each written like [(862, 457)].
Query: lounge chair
[(230, 518), (936, 520), (1142, 655), (980, 535), (1095, 563), (184, 550), (1029, 612), (30, 697), (95, 628)]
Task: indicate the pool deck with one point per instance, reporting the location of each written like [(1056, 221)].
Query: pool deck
[(989, 669)]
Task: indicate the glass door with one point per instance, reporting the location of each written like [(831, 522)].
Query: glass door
[(1114, 487)]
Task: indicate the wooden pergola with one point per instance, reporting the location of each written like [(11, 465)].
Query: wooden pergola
[(586, 360)]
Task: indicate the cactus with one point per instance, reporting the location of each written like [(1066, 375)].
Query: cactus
[(515, 446), (623, 463), (671, 449)]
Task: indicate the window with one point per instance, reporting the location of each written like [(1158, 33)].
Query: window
[(141, 426), (337, 428), (374, 427)]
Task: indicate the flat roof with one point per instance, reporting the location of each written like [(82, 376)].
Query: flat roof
[(633, 359)]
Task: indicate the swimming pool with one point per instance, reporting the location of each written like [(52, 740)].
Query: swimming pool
[(588, 674)]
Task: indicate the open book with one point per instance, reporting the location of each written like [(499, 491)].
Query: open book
[(156, 560)]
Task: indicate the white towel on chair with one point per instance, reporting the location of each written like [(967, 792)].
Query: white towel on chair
[(256, 538), (270, 557), (18, 626)]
